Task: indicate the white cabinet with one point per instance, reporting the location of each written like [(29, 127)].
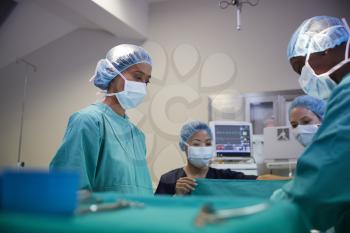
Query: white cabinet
[(269, 108)]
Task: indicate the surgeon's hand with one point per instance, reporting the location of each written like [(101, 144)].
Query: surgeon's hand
[(185, 185)]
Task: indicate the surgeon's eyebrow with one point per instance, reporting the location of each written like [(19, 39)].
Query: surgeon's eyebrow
[(196, 140), (305, 118), (208, 139)]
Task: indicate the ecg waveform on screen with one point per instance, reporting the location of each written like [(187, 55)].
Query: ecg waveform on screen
[(232, 139)]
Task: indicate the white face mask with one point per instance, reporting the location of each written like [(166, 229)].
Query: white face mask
[(132, 95), (305, 133), (199, 156), (321, 85)]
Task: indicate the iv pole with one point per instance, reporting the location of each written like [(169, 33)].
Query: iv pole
[(33, 67), (238, 3)]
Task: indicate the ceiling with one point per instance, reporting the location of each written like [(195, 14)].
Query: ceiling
[(35, 23)]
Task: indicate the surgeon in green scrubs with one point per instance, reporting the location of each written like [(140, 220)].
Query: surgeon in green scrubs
[(100, 142), (319, 52)]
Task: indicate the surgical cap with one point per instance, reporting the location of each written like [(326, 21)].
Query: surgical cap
[(316, 35), (117, 60), (317, 106), (191, 128)]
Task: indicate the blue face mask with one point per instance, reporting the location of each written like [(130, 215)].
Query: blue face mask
[(318, 86), (132, 95), (200, 156), (305, 133)]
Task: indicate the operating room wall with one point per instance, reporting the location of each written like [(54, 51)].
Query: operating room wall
[(59, 87), (197, 52)]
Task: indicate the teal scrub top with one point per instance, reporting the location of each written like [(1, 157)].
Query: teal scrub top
[(107, 150), (321, 186)]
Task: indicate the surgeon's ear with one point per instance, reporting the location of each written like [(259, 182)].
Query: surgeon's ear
[(112, 86), (116, 85), (297, 63)]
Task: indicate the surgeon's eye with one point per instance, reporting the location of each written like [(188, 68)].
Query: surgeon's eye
[(306, 122), (138, 78), (322, 53)]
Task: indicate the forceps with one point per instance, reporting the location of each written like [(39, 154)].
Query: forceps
[(208, 215)]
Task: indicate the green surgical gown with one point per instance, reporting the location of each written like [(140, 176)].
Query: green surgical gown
[(321, 186), (107, 150)]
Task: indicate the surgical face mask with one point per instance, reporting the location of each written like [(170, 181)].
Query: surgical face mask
[(318, 86), (305, 133), (199, 156), (132, 95), (321, 85)]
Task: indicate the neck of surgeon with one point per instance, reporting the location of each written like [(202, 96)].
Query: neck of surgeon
[(113, 103), (195, 172)]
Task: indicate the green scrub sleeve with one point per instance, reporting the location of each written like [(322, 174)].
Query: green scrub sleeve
[(80, 148)]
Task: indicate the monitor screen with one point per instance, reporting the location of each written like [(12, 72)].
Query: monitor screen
[(233, 140)]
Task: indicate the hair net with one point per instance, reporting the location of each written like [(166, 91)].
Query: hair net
[(316, 35), (189, 129), (117, 60), (317, 106)]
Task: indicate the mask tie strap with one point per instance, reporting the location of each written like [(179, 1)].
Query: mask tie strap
[(347, 44)]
